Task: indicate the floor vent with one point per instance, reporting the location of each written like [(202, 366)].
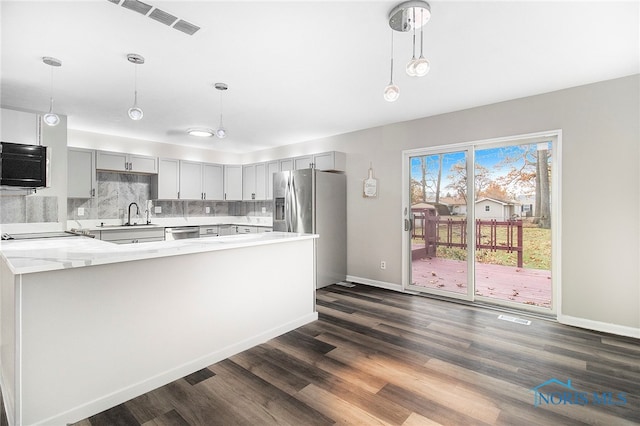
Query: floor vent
[(345, 284), (514, 319)]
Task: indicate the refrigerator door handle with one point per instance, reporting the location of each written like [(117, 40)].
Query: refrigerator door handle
[(293, 206)]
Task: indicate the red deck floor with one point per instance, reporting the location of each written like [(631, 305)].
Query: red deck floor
[(520, 285)]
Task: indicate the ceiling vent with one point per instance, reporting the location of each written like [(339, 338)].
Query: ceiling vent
[(162, 16), (186, 27), (137, 6), (158, 15)]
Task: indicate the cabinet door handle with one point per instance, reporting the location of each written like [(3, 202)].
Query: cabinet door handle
[(178, 195), (93, 192)]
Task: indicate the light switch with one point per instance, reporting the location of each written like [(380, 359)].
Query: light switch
[(157, 209), (80, 211)]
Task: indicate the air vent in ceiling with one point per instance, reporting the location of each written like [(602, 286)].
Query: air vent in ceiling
[(162, 16), (158, 15), (186, 27), (137, 6)]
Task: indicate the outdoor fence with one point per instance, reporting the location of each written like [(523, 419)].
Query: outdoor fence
[(438, 232)]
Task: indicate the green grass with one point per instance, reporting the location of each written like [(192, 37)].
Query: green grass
[(536, 252)]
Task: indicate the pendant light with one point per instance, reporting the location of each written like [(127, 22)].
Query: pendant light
[(421, 66), (135, 112), (409, 16), (411, 65), (221, 132), (51, 118), (391, 92)]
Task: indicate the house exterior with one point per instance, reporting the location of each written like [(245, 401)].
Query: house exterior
[(492, 208)]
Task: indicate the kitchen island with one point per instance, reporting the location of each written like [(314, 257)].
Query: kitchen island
[(87, 324)]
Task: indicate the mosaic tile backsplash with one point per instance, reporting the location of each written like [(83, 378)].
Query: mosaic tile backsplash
[(117, 190)]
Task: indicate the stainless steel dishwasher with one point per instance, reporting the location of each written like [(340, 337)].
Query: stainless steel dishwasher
[(181, 232)]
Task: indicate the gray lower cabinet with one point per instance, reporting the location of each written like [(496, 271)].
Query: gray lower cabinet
[(132, 236)]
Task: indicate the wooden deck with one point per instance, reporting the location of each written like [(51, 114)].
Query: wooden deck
[(519, 285)]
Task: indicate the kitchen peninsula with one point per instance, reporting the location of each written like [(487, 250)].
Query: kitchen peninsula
[(88, 324)]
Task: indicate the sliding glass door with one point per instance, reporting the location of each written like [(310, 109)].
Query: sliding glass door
[(487, 238)]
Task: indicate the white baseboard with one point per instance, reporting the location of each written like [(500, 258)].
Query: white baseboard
[(107, 401), (374, 283), (605, 327)]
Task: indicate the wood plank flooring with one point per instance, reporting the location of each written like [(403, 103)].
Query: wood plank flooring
[(377, 357)]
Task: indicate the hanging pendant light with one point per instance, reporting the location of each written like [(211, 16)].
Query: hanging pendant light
[(221, 132), (51, 118), (421, 66), (135, 112), (391, 92), (411, 65)]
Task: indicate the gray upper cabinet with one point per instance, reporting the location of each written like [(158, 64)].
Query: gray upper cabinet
[(168, 178), (213, 181), (190, 180), (233, 182), (332, 161), (122, 162), (81, 173), (254, 181), (20, 127)]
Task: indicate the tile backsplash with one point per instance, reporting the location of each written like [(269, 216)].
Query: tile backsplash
[(117, 190), (28, 208)]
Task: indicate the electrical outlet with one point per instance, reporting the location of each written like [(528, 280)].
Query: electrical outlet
[(264, 210), (157, 209), (207, 210), (80, 211), (383, 264)]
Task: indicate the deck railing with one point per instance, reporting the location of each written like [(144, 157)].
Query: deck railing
[(454, 234)]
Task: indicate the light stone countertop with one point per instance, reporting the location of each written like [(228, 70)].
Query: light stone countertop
[(49, 254), (95, 224)]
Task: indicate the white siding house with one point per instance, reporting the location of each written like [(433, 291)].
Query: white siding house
[(491, 208)]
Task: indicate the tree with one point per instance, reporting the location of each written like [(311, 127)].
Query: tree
[(494, 190), (530, 173), (458, 179)]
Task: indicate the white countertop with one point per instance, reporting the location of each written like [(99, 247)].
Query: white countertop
[(40, 255), (95, 224)]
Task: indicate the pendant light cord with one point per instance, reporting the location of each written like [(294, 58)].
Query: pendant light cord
[(391, 78), (421, 32), (414, 33), (135, 85)]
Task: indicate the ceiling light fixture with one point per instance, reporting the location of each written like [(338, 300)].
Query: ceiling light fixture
[(51, 118), (221, 132), (391, 92), (200, 132), (135, 112), (409, 16)]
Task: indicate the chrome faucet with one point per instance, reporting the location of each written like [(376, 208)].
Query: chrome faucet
[(129, 212)]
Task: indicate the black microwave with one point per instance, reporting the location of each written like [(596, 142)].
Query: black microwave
[(23, 166)]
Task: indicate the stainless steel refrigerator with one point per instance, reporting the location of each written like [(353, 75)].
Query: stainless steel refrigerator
[(315, 202)]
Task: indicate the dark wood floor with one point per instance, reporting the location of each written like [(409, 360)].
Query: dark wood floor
[(382, 357)]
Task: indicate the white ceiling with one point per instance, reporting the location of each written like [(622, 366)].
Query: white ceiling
[(298, 70)]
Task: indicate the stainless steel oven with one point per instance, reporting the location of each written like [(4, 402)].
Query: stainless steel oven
[(181, 232)]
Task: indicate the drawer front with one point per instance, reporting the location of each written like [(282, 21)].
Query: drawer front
[(208, 231)]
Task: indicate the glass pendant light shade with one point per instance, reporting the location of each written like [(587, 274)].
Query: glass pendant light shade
[(391, 92), (221, 132), (135, 112), (51, 118), (422, 67)]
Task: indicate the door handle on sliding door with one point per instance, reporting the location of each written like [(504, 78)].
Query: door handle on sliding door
[(408, 225)]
